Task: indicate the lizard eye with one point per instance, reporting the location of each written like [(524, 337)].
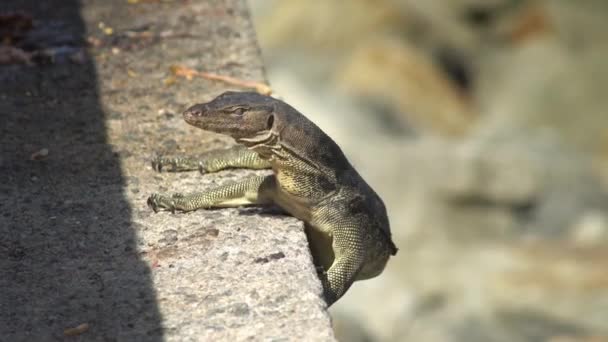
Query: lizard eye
[(239, 111), (270, 121)]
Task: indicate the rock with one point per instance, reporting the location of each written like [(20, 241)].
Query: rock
[(591, 229), (313, 24), (421, 95)]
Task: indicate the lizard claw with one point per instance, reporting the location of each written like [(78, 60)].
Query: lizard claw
[(159, 202), (156, 166), (159, 163), (202, 169), (321, 270), (153, 202)]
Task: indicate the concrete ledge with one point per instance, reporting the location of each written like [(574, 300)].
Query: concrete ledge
[(78, 246)]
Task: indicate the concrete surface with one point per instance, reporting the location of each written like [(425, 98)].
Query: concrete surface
[(78, 246)]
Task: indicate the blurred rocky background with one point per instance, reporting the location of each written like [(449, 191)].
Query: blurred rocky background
[(484, 126)]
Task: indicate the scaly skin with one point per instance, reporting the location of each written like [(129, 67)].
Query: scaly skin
[(345, 220)]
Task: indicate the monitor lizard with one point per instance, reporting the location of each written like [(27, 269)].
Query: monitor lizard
[(345, 220)]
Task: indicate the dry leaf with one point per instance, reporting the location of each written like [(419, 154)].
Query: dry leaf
[(80, 329), (40, 154)]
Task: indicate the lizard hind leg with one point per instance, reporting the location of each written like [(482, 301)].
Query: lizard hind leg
[(338, 279), (349, 259)]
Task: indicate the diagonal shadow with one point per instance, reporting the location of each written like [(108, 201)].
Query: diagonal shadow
[(67, 245)]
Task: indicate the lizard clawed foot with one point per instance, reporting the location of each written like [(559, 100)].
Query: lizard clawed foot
[(160, 202), (328, 294), (168, 164), (202, 168)]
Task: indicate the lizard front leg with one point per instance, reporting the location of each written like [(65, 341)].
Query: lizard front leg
[(253, 190), (235, 157)]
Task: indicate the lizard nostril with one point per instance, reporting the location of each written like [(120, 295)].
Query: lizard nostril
[(193, 112)]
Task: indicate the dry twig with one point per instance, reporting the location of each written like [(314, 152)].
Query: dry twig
[(189, 73)]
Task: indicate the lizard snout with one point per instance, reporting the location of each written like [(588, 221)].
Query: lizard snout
[(194, 111)]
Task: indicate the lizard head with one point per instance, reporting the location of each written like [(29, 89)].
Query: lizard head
[(248, 117)]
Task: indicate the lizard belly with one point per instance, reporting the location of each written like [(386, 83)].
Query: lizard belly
[(296, 206), (319, 240), (287, 196)]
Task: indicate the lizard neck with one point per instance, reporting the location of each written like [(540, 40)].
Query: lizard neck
[(264, 144)]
